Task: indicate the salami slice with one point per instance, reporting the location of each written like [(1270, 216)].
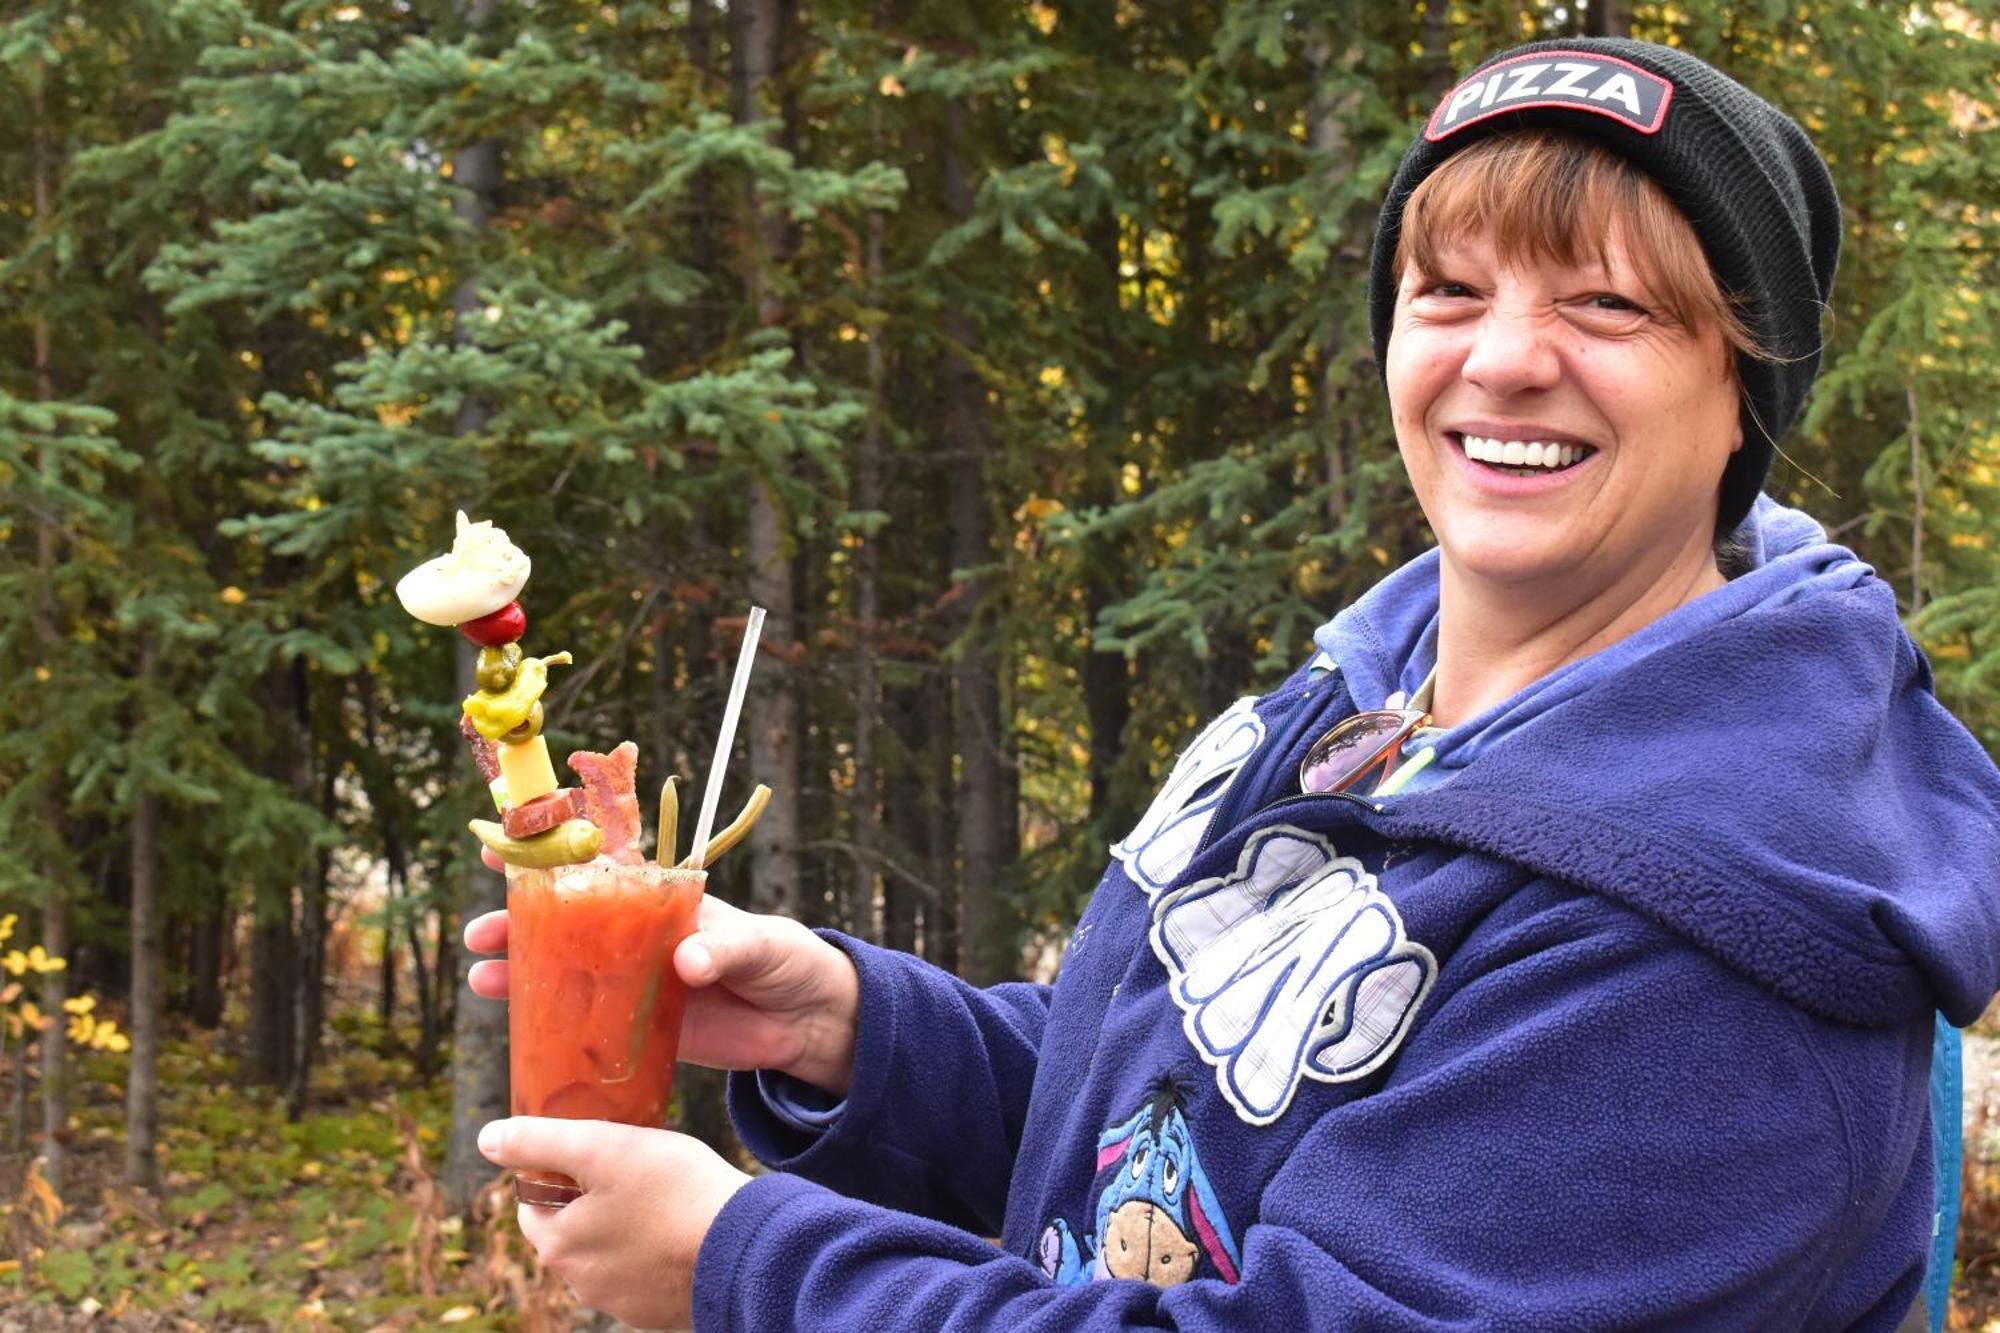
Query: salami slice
[(543, 813)]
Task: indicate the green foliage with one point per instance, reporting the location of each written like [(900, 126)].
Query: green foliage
[(265, 328)]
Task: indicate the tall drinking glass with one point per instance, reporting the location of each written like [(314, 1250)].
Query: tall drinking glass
[(593, 1001)]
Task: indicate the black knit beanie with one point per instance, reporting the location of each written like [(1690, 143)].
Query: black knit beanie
[(1756, 191)]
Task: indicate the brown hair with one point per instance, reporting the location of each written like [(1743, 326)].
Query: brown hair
[(1548, 195)]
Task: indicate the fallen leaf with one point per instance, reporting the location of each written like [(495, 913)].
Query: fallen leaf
[(458, 1314)]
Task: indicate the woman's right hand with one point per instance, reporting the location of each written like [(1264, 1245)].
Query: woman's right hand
[(763, 993)]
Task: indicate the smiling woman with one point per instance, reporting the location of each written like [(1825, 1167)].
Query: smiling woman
[(1557, 948)]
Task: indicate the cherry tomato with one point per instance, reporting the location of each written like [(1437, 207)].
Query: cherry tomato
[(500, 628)]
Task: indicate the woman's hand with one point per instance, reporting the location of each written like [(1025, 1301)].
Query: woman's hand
[(763, 993), (628, 1246)]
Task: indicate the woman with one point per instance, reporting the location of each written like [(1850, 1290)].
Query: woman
[(1558, 948)]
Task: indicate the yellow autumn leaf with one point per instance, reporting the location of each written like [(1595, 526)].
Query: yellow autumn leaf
[(80, 1004), (14, 961), (10, 992), (31, 1014), (7, 925), (458, 1314), (81, 1029), (232, 595), (42, 1197), (118, 1042)]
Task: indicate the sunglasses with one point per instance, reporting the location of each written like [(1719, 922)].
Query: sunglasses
[(1355, 748)]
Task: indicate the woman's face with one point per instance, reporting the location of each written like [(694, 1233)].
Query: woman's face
[(1558, 432)]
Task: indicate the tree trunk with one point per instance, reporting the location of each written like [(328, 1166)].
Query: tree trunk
[(1607, 18), (385, 999), (444, 965), (428, 984), (942, 936), (17, 1118), (988, 832), (142, 1079), (309, 984), (1107, 697), (772, 707), (479, 1031), (205, 961), (55, 1063), (55, 918), (865, 875), (1106, 675), (309, 978), (1916, 433), (272, 1021)]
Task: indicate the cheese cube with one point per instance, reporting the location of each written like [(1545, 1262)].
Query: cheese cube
[(498, 787), (527, 770)]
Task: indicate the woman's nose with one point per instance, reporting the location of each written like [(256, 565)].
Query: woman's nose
[(1513, 351)]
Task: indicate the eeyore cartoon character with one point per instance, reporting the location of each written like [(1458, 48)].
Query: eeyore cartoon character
[(1156, 1214)]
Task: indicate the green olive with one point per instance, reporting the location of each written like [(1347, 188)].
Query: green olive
[(495, 672), (528, 730)]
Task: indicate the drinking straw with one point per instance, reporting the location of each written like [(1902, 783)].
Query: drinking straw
[(712, 793)]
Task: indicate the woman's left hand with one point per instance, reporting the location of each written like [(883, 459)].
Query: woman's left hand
[(627, 1247)]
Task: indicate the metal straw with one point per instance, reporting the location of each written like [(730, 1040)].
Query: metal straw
[(712, 794)]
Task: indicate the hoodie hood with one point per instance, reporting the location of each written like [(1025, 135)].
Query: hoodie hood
[(1765, 771)]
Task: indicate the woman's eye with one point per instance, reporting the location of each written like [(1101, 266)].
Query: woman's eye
[(1447, 289), (1615, 303)]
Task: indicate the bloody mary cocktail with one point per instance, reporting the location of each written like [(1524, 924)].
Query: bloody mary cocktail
[(594, 1004)]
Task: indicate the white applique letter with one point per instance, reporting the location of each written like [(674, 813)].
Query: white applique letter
[(1294, 965), (1162, 843)]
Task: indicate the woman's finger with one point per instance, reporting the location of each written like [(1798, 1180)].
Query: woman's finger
[(492, 860), (488, 979), (732, 950), (487, 933)]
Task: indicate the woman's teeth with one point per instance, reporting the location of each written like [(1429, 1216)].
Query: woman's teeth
[(1535, 455)]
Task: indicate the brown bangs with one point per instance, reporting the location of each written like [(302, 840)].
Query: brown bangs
[(1542, 195)]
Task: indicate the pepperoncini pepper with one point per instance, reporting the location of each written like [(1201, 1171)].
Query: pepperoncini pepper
[(494, 713)]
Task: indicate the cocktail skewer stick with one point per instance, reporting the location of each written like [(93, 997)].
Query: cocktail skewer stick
[(670, 823), (738, 828)]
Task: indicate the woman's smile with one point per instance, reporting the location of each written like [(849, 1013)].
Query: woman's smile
[(1520, 460)]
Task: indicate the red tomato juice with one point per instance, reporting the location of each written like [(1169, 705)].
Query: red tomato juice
[(593, 1001)]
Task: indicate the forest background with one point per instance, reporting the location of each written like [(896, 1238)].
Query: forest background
[(1013, 354)]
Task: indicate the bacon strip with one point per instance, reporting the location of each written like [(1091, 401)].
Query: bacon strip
[(482, 749), (610, 798)]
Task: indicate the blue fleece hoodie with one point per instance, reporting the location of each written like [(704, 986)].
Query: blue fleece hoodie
[(1625, 1024)]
